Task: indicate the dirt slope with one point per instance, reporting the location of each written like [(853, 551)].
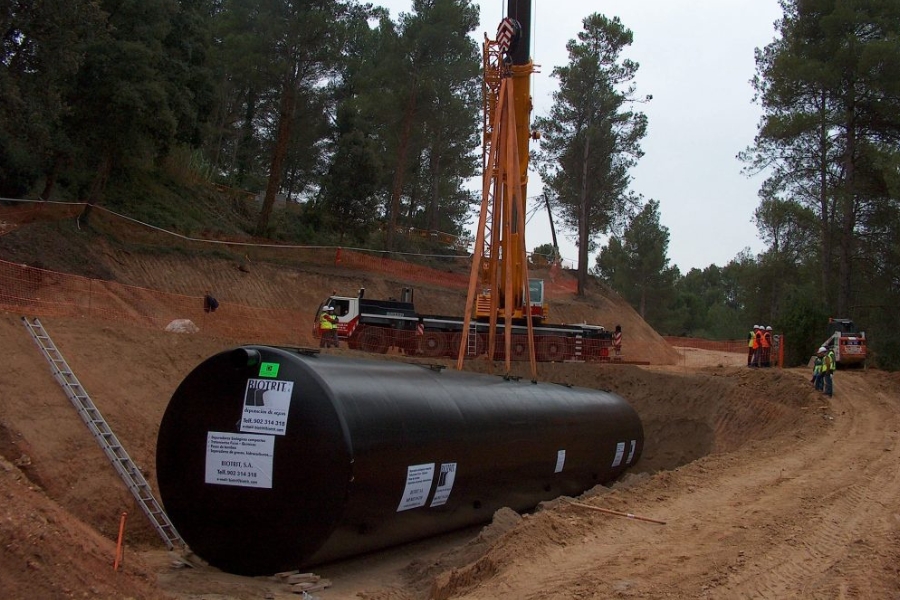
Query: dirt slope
[(296, 281), (303, 285), (767, 489)]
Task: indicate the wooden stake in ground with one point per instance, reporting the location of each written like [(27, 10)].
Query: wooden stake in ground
[(120, 551), (616, 513)]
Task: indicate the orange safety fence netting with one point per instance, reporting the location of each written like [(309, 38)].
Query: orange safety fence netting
[(445, 270), (704, 344), (725, 352), (405, 270)]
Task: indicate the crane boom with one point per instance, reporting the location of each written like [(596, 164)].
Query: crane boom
[(498, 283)]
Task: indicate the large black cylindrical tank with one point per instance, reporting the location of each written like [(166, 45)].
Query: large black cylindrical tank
[(270, 459)]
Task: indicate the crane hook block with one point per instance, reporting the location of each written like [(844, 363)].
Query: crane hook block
[(508, 34)]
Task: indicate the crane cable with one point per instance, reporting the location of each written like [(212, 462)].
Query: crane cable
[(533, 210)]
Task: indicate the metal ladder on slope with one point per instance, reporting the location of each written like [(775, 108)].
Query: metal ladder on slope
[(108, 441)]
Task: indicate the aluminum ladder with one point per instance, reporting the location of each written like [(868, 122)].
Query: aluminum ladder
[(108, 441), (472, 339)]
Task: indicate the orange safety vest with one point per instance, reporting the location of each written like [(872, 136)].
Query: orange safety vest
[(766, 339), (757, 340)]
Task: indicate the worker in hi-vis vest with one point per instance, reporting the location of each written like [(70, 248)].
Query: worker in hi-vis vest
[(828, 368), (817, 369), (765, 346), (751, 344), (767, 335), (328, 328), (756, 346)]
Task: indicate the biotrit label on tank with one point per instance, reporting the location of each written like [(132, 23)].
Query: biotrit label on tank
[(239, 459), (444, 484), (266, 406)]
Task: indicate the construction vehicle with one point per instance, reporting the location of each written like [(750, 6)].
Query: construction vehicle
[(500, 244), (381, 325), (499, 286), (502, 299), (848, 343)]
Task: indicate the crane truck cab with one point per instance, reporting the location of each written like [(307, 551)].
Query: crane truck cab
[(848, 343), (366, 324), (537, 301), (537, 304)]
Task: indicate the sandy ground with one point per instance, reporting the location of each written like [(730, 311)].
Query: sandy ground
[(767, 489)]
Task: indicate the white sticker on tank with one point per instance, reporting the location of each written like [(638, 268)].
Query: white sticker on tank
[(444, 484), (418, 485), (239, 459), (560, 461), (631, 452), (266, 406), (620, 452)]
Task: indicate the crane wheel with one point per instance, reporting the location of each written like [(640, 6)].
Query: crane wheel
[(552, 348), (434, 344), (519, 347), (454, 344), (373, 339)]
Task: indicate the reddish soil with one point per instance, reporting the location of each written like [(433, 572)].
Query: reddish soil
[(767, 488)]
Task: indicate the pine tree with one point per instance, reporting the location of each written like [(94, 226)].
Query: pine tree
[(830, 91), (592, 138), (637, 265)]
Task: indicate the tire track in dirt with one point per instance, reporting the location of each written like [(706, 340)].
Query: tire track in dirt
[(843, 472), (806, 513)]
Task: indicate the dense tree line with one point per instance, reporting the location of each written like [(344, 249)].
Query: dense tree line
[(829, 144), (371, 124), (362, 119)]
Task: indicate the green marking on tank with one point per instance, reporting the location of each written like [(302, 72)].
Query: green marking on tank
[(268, 369)]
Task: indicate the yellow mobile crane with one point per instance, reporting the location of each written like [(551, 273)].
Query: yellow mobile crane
[(498, 284)]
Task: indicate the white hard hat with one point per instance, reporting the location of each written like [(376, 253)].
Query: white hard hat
[(329, 308), (768, 328), (756, 327), (822, 349)]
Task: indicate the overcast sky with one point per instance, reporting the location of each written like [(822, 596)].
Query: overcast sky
[(696, 60)]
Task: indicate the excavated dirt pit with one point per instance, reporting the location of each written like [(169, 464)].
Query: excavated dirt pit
[(131, 373), (767, 489)]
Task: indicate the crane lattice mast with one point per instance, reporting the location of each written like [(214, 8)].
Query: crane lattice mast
[(498, 282)]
